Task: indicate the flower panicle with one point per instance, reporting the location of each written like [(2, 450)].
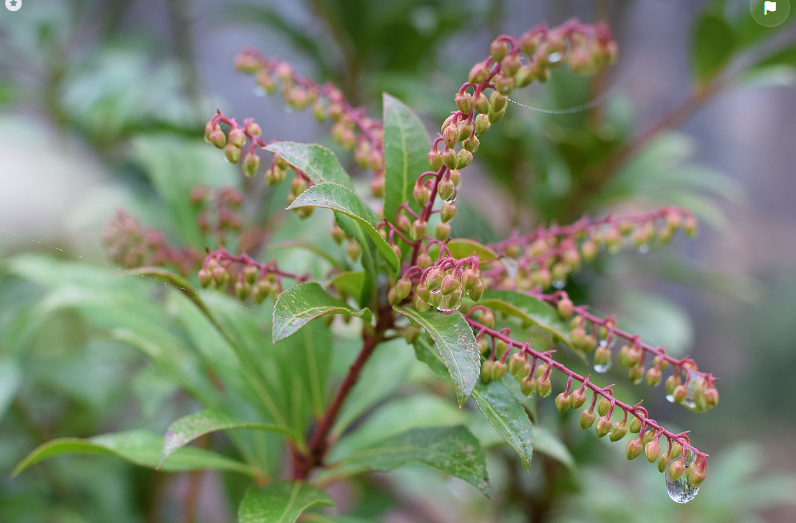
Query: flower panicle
[(247, 277), (131, 245), (532, 369), (546, 257)]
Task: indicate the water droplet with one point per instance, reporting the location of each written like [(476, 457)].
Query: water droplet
[(603, 368), (644, 248), (559, 284), (435, 291), (681, 491), (452, 196), (442, 308), (259, 91), (670, 398), (554, 57)]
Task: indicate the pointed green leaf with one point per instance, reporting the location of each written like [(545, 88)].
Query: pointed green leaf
[(301, 303), (453, 450), (369, 256), (464, 247), (498, 405), (338, 198), (317, 162), (188, 428), (548, 443), (349, 283), (406, 145), (280, 502), (505, 413), (136, 446), (528, 308), (455, 342)]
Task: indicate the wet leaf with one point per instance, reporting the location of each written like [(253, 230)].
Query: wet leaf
[(280, 502)]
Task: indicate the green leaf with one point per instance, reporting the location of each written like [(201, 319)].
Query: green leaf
[(296, 244), (528, 308), (464, 247), (507, 416), (455, 342), (496, 402), (369, 256), (713, 44), (349, 283), (406, 145), (453, 450), (317, 162), (301, 303), (188, 428), (280, 502), (140, 447), (338, 198)]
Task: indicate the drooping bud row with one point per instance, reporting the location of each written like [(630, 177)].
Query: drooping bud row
[(244, 276), (218, 211), (350, 127), (547, 257), (532, 369), (235, 140), (131, 245)]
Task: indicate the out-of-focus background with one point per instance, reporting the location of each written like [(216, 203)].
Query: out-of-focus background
[(93, 93)]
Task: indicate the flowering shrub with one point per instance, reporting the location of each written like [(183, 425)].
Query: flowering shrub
[(487, 319)]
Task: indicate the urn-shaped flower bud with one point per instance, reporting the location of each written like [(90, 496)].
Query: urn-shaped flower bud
[(449, 284), (587, 418), (498, 370), (232, 153), (434, 279), (565, 306), (251, 162), (563, 402), (205, 278), (653, 376), (450, 135), (676, 470), (663, 462), (476, 291), (424, 260), (680, 393), (543, 386), (633, 449), (418, 229), (603, 406), (470, 277), (486, 370), (237, 137), (447, 212), (517, 365), (465, 158), (501, 347), (450, 158), (696, 472), (528, 385), (635, 425), (618, 431), (478, 73), (250, 274), (481, 104), (464, 102), (402, 288), (421, 195), (603, 426), (465, 130), (218, 138), (434, 160), (578, 398), (482, 123), (446, 189), (652, 450), (498, 49), (242, 290)]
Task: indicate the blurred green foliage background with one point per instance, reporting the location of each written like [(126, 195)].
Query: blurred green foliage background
[(105, 102)]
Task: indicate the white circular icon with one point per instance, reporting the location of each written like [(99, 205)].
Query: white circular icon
[(13, 5)]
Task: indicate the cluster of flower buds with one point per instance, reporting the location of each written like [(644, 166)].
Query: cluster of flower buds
[(218, 211), (442, 285), (545, 258), (235, 140), (351, 128), (533, 369), (251, 278), (131, 245), (590, 334)]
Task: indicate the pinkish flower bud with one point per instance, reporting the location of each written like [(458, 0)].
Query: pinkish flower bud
[(433, 279), (501, 347), (421, 195), (420, 305), (495, 116), (578, 398), (510, 65), (232, 153), (237, 137), (498, 49), (497, 102), (696, 472), (486, 370), (483, 345), (242, 290), (527, 385), (465, 157), (479, 73), (218, 138), (664, 461), (424, 260), (563, 402), (402, 288), (587, 418), (446, 189), (205, 278), (504, 84), (498, 370), (447, 212), (603, 406), (653, 376), (464, 102), (543, 386), (652, 450), (633, 449), (481, 104), (564, 307), (629, 355), (418, 229), (676, 470), (711, 397), (476, 291), (434, 160), (449, 284), (403, 223), (680, 393), (450, 158), (603, 426), (472, 144), (450, 135)]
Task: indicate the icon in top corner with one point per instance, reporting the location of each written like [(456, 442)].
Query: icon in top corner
[(770, 13), (13, 5)]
